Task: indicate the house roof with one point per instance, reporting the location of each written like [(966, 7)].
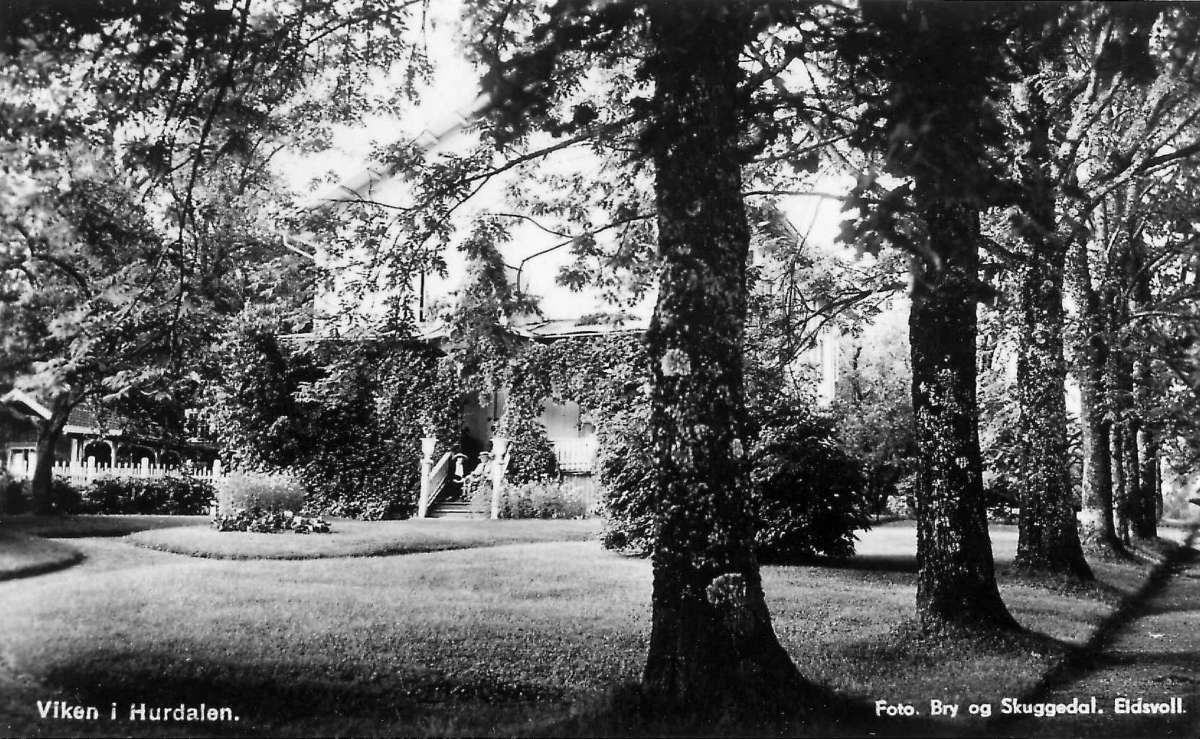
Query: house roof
[(83, 418), (562, 328), (539, 328)]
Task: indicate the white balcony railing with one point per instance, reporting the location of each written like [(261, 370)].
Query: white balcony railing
[(575, 455)]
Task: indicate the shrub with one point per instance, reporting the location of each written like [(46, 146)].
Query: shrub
[(272, 493), (627, 473), (364, 478), (66, 498), (12, 495), (531, 453), (477, 490), (809, 494), (261, 521), (168, 495), (545, 498)]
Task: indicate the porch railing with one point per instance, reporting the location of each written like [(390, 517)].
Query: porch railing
[(575, 455)]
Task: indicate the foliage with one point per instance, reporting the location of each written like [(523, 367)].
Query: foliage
[(139, 197), (252, 408), (271, 493), (544, 498), (262, 521), (531, 454), (626, 471), (873, 407), (368, 415), (180, 495), (346, 417), (809, 494), (12, 496), (477, 490)]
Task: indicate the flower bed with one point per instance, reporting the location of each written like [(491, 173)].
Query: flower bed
[(270, 522)]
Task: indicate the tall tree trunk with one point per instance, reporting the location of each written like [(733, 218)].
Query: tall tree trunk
[(712, 645), (1146, 525), (1048, 540), (1098, 531), (1132, 469), (1119, 383), (1144, 517), (1116, 439), (956, 580), (41, 487)]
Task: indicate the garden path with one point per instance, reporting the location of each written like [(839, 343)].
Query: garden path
[(1152, 654)]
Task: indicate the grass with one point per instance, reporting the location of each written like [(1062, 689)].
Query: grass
[(505, 640), (72, 527), (362, 538), (24, 556)]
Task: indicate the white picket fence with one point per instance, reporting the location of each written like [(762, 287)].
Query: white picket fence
[(84, 473)]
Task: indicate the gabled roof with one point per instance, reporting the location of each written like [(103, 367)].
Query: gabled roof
[(83, 419)]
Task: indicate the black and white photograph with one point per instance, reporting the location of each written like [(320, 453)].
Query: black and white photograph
[(617, 368)]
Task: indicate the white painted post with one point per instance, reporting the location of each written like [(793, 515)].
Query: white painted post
[(428, 444), (145, 470), (216, 469), (500, 452)]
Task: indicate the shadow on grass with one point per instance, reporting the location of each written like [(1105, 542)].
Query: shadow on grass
[(79, 526), (1010, 575), (1089, 657), (270, 698), (42, 568), (25, 556), (820, 712)]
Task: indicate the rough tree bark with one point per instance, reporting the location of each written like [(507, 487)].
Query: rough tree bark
[(1048, 540), (1123, 419), (41, 487), (1149, 508), (956, 582), (1097, 530), (712, 645), (1144, 515)]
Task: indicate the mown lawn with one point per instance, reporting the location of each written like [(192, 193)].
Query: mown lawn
[(74, 527), (504, 639), (362, 538), (23, 556)]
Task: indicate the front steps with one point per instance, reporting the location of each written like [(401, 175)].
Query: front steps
[(451, 509)]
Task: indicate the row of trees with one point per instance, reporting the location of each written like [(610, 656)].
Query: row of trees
[(1006, 154), (1004, 149)]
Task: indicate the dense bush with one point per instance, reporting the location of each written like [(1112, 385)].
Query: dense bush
[(627, 474), (170, 495), (545, 498), (531, 454), (273, 493), (262, 521), (807, 492), (12, 495)]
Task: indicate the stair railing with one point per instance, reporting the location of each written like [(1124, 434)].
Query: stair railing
[(433, 476)]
